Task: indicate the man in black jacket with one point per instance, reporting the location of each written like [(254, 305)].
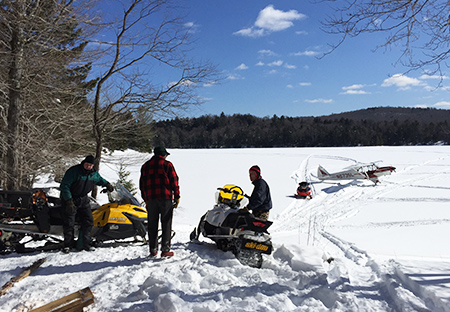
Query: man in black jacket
[(78, 181), (260, 201)]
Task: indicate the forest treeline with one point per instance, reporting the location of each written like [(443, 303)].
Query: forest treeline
[(370, 127)]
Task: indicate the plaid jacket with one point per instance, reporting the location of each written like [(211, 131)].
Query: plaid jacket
[(159, 180)]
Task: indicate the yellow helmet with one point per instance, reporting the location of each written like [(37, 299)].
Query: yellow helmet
[(231, 194)]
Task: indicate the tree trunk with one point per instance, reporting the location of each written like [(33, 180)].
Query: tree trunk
[(98, 153), (14, 111)]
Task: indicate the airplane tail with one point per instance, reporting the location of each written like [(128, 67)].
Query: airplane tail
[(322, 173)]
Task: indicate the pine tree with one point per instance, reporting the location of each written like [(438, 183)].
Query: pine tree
[(123, 179), (42, 93)]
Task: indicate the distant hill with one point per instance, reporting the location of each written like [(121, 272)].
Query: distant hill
[(377, 114)]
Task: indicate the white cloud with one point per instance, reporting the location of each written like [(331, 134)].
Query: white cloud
[(402, 82), (276, 63), (260, 63), (289, 66), (276, 20), (307, 53), (425, 76), (354, 89), (267, 52), (442, 104), (301, 32), (250, 32), (186, 83), (289, 86), (210, 84), (351, 91), (430, 88), (242, 67), (234, 77), (319, 101), (271, 20), (305, 84), (192, 27)]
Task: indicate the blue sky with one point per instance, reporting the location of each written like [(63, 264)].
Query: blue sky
[(268, 53)]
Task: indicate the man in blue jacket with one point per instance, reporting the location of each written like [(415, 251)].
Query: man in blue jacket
[(78, 181), (260, 201)]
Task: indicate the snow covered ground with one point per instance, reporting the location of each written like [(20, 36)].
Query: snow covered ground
[(389, 242)]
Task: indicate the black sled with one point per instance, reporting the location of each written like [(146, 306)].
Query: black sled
[(235, 229), (28, 218)]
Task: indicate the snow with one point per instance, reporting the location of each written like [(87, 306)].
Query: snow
[(353, 247)]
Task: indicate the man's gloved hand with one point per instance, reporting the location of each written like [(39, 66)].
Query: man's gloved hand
[(176, 201), (109, 187), (70, 207)]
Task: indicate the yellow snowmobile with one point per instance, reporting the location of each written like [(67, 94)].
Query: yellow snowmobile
[(28, 218)]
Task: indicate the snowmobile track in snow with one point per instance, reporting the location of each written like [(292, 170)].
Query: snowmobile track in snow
[(394, 289), (399, 291)]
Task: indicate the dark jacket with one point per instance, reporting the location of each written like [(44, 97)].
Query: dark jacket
[(260, 199), (77, 182), (158, 180)]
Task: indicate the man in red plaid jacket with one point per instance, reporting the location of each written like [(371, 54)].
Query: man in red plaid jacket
[(160, 190)]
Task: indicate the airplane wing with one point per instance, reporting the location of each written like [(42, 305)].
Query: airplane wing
[(363, 166)]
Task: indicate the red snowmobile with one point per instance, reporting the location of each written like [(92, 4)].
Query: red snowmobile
[(303, 191)]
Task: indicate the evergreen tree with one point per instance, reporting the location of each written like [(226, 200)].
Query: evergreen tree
[(42, 93), (124, 179)]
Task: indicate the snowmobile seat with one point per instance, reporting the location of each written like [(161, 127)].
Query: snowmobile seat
[(235, 220), (248, 220)]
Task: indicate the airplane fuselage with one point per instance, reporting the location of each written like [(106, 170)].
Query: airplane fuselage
[(355, 174)]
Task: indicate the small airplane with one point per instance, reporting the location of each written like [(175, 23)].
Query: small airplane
[(356, 172)]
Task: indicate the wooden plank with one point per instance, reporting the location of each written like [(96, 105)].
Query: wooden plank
[(74, 302), (27, 271)]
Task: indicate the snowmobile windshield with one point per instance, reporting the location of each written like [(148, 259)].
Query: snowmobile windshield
[(122, 196), (243, 203)]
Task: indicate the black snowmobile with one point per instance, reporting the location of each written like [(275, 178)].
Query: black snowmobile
[(235, 229), (30, 217)]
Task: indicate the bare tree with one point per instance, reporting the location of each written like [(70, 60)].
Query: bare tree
[(421, 27), (147, 34)]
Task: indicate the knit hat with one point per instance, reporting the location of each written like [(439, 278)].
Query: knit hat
[(160, 150), (256, 169), (89, 159)]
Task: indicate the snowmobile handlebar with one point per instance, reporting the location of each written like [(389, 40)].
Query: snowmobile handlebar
[(105, 190)]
